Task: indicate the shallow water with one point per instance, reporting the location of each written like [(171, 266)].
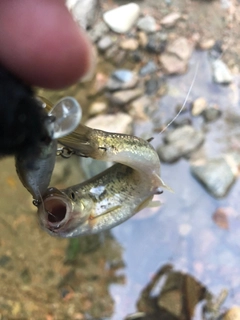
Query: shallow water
[(182, 230), (33, 268)]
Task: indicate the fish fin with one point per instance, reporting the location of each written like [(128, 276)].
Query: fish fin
[(162, 184), (154, 204)]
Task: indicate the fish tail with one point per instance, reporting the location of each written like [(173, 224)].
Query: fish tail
[(80, 140)]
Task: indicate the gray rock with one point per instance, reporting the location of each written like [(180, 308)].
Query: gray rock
[(215, 174), (156, 42), (152, 85), (119, 122), (99, 30), (121, 80), (122, 19), (170, 20), (221, 73), (212, 113), (148, 68), (180, 142), (105, 43), (147, 24), (123, 97), (84, 12)]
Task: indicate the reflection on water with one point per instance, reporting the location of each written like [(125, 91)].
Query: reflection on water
[(182, 231)]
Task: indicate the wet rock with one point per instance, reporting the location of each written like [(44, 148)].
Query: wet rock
[(221, 73), (97, 108), (120, 122), (182, 120), (170, 20), (147, 24), (105, 43), (136, 56), (130, 44), (181, 48), (122, 79), (138, 109), (172, 64), (122, 19), (142, 39), (212, 113), (99, 30), (148, 68), (198, 106), (216, 175), (180, 142), (123, 97), (84, 12), (152, 85), (157, 42)]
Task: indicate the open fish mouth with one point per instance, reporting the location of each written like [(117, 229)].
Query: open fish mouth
[(54, 213)]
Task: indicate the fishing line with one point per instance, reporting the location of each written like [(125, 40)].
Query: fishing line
[(185, 101)]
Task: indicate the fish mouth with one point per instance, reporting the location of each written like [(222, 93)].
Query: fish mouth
[(55, 213)]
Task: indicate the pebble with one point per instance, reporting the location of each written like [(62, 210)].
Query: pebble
[(181, 48), (206, 44), (105, 43), (138, 109), (222, 215), (122, 79), (147, 24), (119, 122), (143, 39), (215, 174), (122, 19), (148, 68), (198, 106), (180, 142), (123, 97), (212, 113), (170, 20), (115, 54), (152, 85), (97, 108), (99, 30), (172, 64), (84, 12), (130, 44), (157, 42), (221, 73)]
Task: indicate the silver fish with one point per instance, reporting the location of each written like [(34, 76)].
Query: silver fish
[(112, 196)]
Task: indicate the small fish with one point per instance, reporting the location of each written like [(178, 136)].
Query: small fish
[(112, 196)]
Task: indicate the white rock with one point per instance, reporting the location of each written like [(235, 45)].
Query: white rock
[(122, 19), (120, 122), (221, 73)]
